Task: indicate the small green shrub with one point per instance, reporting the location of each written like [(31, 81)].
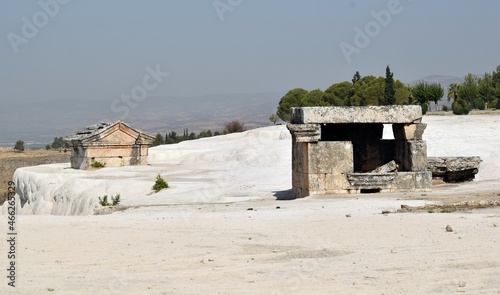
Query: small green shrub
[(104, 201), (460, 110), (159, 184), (445, 108), (97, 164), (114, 200)]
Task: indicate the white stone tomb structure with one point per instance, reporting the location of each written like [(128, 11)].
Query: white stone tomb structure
[(112, 144), (341, 150)]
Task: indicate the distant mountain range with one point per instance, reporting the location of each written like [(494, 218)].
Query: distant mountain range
[(445, 81), (37, 123)]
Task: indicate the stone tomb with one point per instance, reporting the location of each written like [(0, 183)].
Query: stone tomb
[(112, 144), (341, 150)]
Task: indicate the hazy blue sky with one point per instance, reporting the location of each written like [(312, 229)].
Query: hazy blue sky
[(100, 49)]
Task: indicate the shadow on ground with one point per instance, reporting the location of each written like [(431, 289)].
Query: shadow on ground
[(285, 195)]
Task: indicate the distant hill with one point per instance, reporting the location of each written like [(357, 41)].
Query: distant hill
[(39, 122)]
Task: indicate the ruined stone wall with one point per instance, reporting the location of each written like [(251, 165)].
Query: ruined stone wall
[(337, 149), (111, 156)]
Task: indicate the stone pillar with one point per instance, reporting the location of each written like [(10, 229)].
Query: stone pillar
[(411, 150), (318, 167)]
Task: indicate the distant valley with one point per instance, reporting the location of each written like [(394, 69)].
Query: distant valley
[(37, 123)]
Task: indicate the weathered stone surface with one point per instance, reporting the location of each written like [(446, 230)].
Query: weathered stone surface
[(437, 166), (371, 180), (113, 144), (299, 185), (454, 169), (305, 132), (387, 168), (462, 163), (341, 150), (317, 184), (336, 182), (368, 114), (405, 132), (404, 181), (299, 157), (414, 155), (330, 157), (423, 180)]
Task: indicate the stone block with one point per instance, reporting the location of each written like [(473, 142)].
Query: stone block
[(389, 167), (454, 169), (330, 157), (416, 156), (336, 182), (367, 114), (316, 183), (405, 181), (462, 163), (423, 180), (371, 180), (405, 132), (437, 166)]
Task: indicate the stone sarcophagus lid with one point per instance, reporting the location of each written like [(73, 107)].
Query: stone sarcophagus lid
[(111, 144), (341, 150)]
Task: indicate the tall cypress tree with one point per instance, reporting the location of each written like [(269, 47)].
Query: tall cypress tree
[(356, 77), (389, 92)]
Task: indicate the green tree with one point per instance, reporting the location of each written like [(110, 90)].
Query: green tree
[(274, 118), (402, 93), (373, 90), (19, 146), (469, 93), (59, 143), (389, 92), (356, 77), (202, 134), (338, 94), (314, 98), (496, 77), (486, 89), (158, 140), (435, 93), (453, 93), (294, 98), (420, 94)]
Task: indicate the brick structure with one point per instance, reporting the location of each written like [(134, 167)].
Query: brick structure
[(113, 144), (341, 150)]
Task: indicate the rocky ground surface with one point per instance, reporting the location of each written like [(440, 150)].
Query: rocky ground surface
[(11, 160)]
